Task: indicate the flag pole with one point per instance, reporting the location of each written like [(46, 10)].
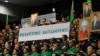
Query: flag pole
[(71, 12), (6, 19)]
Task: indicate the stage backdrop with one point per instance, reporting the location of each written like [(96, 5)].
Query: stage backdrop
[(44, 32)]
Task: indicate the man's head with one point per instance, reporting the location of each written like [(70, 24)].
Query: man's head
[(38, 21), (15, 41), (73, 33), (7, 46), (34, 48), (3, 31), (78, 47), (90, 49), (86, 6), (64, 37), (16, 46), (15, 52), (44, 19), (95, 17), (45, 47), (56, 46), (7, 27), (52, 40), (98, 44), (14, 25), (71, 43), (84, 25), (25, 50)]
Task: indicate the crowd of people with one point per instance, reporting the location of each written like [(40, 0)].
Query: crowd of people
[(64, 46)]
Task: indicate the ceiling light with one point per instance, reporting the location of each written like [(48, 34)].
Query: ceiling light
[(53, 10), (6, 1)]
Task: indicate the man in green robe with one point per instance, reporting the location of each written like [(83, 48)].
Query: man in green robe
[(35, 54), (57, 50), (45, 51), (7, 55), (34, 51), (6, 52), (26, 52), (0, 54), (72, 49)]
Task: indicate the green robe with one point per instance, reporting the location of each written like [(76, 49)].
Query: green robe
[(59, 51), (0, 54), (46, 53), (72, 50), (7, 55), (27, 54), (35, 54)]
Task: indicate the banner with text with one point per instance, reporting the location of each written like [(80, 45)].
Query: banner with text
[(44, 32), (49, 17), (25, 22)]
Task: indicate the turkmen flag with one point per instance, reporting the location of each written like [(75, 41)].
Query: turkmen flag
[(88, 1), (7, 19), (71, 12)]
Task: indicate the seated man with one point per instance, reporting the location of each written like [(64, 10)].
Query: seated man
[(72, 48), (45, 51), (57, 49), (34, 51)]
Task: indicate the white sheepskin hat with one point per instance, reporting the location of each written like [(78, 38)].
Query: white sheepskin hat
[(84, 23)]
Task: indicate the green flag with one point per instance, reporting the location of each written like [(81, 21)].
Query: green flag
[(7, 19), (71, 12), (88, 1)]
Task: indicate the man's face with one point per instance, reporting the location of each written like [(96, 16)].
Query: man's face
[(45, 47), (98, 44), (95, 18), (73, 33), (33, 49), (14, 52), (90, 50), (55, 47), (7, 46), (70, 43), (7, 27), (63, 38), (14, 25), (16, 41), (84, 27), (25, 51), (86, 6), (3, 31), (51, 40), (77, 47)]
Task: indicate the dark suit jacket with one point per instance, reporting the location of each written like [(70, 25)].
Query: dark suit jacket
[(88, 13), (97, 25)]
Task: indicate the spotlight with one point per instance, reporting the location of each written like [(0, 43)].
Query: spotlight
[(6, 1)]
